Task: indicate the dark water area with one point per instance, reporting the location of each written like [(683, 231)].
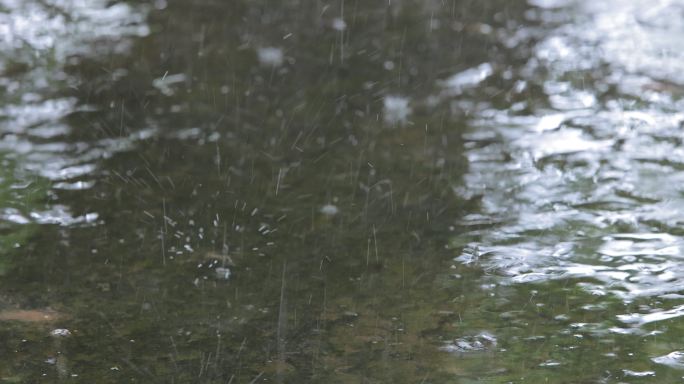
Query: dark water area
[(341, 192)]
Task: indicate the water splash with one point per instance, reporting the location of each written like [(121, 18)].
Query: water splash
[(469, 78), (396, 109), (270, 56)]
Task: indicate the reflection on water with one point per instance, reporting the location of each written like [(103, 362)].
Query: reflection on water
[(342, 191), (40, 40), (584, 189)]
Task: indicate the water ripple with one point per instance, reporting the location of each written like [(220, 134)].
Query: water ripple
[(39, 41), (587, 186)]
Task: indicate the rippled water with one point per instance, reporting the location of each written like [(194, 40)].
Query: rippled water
[(40, 41), (582, 186), (407, 191), (586, 186)]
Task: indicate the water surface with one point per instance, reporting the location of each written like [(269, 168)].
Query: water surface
[(406, 191)]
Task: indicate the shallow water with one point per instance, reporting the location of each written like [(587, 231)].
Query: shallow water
[(406, 191)]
